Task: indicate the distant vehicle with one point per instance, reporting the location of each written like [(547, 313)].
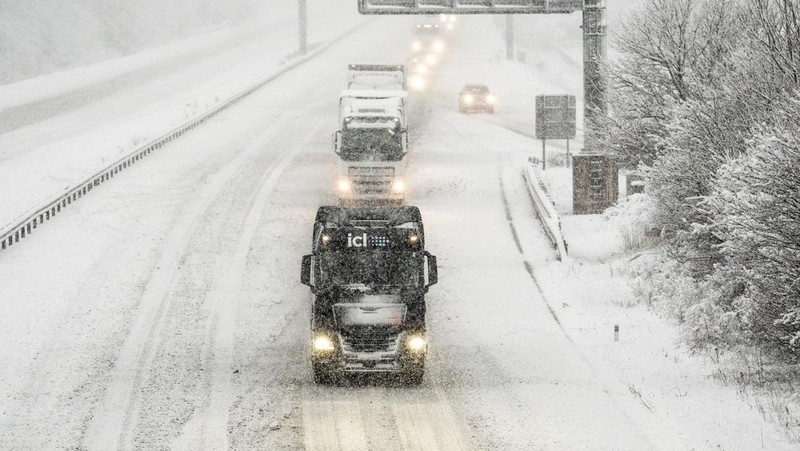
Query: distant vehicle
[(428, 38), (476, 98), (376, 76), (369, 272)]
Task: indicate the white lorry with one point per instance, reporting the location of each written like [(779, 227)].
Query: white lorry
[(372, 140)]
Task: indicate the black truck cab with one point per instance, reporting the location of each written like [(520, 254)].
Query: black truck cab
[(369, 272)]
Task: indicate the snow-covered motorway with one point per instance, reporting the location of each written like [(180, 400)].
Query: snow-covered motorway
[(165, 310)]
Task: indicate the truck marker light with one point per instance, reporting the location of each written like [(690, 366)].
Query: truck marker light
[(415, 343), (323, 343), (413, 239)]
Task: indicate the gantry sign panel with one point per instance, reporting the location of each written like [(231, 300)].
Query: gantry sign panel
[(469, 6)]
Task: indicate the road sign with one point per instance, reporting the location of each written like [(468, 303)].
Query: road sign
[(555, 117), (469, 6)]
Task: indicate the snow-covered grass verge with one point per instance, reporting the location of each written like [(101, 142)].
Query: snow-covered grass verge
[(617, 277)]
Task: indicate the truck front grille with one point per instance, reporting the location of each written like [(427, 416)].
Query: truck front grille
[(371, 180), (364, 343)]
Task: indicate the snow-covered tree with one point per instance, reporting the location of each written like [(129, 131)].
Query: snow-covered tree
[(755, 208)]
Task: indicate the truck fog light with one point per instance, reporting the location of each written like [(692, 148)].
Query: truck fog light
[(343, 185), (398, 186), (415, 343), (323, 344)]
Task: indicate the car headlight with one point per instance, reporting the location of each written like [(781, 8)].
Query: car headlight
[(398, 186), (430, 59), (421, 68), (343, 185), (416, 343), (417, 83), (323, 343), (490, 99), (438, 45), (468, 98), (416, 46)]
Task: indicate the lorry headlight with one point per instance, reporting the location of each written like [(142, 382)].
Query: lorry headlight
[(398, 186), (417, 83), (323, 343), (343, 185), (415, 343)]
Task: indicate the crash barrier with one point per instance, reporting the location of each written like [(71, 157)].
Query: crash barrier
[(26, 223), (545, 210)]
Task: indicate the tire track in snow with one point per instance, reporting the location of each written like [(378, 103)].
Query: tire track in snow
[(224, 301), (113, 420)]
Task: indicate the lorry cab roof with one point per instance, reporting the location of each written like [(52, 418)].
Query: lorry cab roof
[(380, 216)]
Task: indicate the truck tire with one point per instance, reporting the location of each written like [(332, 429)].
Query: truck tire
[(413, 376), (322, 374)]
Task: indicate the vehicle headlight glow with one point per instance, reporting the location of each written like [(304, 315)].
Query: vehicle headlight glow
[(450, 26), (323, 343), (343, 185), (326, 238), (416, 46), (416, 343), (490, 98), (468, 98), (430, 59), (421, 68), (398, 186), (413, 239), (417, 83), (438, 45)]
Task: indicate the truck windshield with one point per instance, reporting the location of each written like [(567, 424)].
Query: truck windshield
[(398, 269), (371, 144)]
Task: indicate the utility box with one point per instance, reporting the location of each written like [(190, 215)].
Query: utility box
[(595, 183)]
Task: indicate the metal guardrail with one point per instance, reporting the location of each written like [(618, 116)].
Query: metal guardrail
[(544, 208), (26, 223)]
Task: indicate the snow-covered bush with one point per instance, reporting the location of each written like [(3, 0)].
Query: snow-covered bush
[(756, 214)]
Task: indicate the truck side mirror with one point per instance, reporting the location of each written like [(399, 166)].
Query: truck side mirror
[(337, 141), (305, 270), (433, 270)]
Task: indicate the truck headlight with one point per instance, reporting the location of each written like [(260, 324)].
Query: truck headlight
[(417, 83), (416, 343), (343, 185), (323, 343), (398, 186)]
